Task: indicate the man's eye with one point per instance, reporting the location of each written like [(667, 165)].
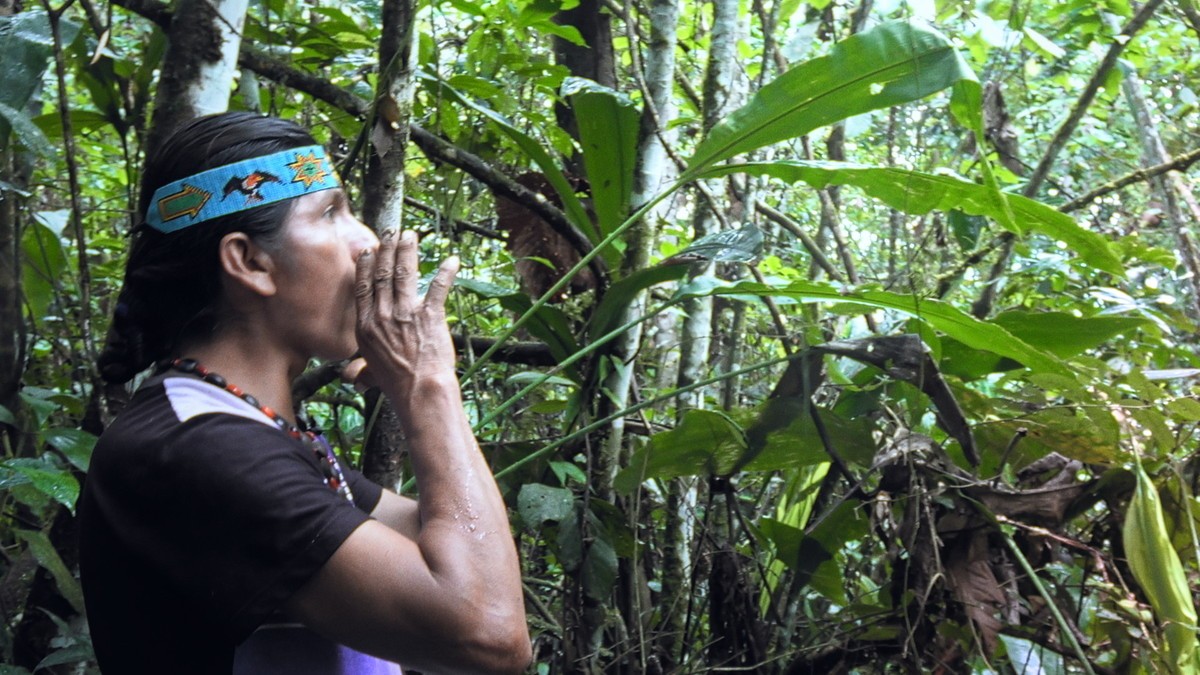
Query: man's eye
[(329, 211)]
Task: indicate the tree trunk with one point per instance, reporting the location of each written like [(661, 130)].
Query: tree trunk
[(15, 173), (383, 203), (720, 96), (198, 69), (652, 172), (594, 59), (1173, 189)]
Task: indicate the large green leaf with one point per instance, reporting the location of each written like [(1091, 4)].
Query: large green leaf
[(75, 444), (939, 315), (797, 443), (706, 442), (27, 133), (1090, 435), (1158, 570), (549, 167), (891, 64), (538, 503), (48, 479), (26, 44), (1065, 335), (608, 131), (45, 262), (919, 193), (39, 544), (814, 556)]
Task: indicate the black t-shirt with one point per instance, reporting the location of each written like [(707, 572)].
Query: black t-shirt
[(199, 518)]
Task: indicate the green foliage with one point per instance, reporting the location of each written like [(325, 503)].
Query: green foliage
[(26, 44), (1157, 568), (981, 335), (1088, 351), (919, 193), (608, 133), (890, 64)]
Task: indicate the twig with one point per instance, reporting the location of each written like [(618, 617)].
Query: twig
[(810, 244), (1180, 163), (459, 225)]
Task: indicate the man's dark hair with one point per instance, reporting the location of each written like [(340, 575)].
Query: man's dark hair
[(172, 281)]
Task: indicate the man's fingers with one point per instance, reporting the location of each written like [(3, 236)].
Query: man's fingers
[(364, 285), (439, 287), (406, 269), (384, 272)]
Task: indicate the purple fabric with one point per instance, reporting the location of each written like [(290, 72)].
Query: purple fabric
[(296, 650)]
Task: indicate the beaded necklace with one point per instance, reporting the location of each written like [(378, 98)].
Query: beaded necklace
[(326, 459)]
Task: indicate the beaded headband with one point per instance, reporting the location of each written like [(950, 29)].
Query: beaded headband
[(242, 185)]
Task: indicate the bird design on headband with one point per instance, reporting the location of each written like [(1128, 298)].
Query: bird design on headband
[(250, 185)]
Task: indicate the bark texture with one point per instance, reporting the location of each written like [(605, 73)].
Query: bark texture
[(383, 205), (198, 69)]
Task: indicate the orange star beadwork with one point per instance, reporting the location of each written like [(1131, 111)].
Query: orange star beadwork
[(308, 169)]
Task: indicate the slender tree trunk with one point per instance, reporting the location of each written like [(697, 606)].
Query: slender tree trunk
[(1171, 186), (383, 203), (721, 95), (652, 172), (15, 173), (198, 69), (585, 619)]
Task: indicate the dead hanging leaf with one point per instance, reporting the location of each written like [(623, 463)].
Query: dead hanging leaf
[(389, 111), (999, 130), (101, 44), (949, 560), (381, 138), (542, 255), (974, 584), (387, 123)]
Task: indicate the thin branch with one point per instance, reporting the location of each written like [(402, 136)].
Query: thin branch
[(1093, 87), (1180, 163), (71, 155), (458, 224), (806, 240)]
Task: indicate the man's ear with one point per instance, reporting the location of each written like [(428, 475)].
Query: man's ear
[(248, 265)]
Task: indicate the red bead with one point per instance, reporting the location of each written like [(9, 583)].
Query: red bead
[(268, 412), (234, 389)]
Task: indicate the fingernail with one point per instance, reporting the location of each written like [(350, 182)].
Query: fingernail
[(408, 235), (366, 253), (387, 235)]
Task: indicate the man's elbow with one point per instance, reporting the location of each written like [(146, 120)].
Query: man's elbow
[(504, 650)]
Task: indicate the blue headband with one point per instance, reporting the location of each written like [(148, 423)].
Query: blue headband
[(240, 186)]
